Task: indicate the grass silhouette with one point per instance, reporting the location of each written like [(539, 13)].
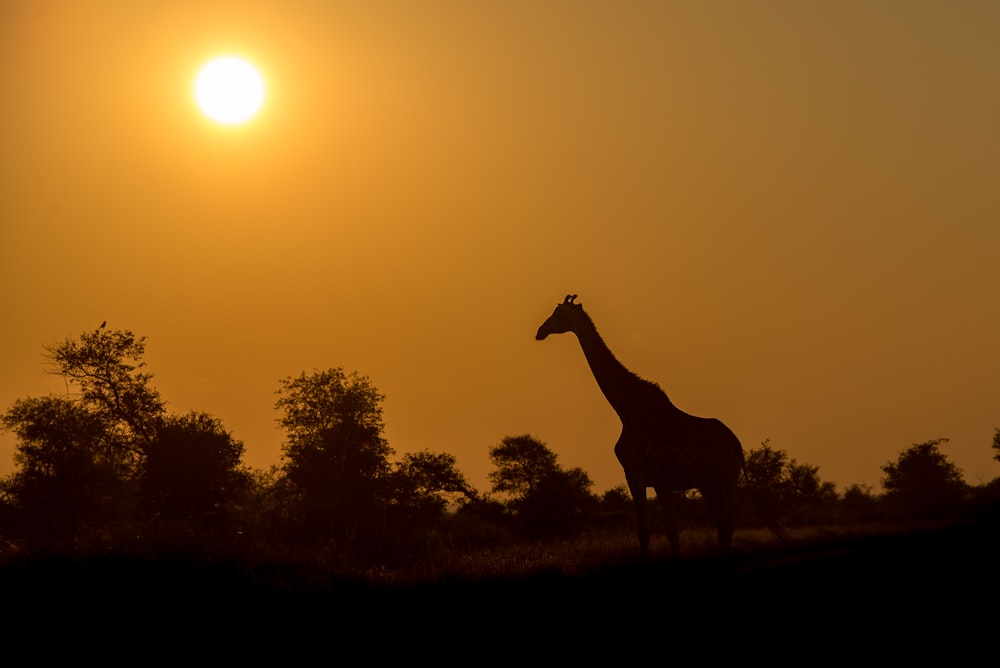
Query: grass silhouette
[(842, 591)]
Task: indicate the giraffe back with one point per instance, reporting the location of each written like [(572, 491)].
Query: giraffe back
[(680, 451)]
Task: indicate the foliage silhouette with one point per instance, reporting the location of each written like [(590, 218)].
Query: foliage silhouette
[(106, 366), (545, 500), (615, 509), (520, 464), (107, 454), (193, 468), (423, 483), (616, 499), (421, 487), (923, 482), (560, 505), (859, 504), (793, 490), (83, 452), (106, 469), (64, 479), (336, 456)]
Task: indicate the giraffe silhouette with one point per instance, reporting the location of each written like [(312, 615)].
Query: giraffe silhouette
[(660, 445)]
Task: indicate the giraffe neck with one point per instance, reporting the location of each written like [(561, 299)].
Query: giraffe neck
[(620, 386)]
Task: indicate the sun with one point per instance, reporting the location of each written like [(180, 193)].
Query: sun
[(229, 90)]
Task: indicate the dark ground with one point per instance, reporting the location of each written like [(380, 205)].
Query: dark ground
[(878, 597)]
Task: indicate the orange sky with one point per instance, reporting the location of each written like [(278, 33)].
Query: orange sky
[(785, 213)]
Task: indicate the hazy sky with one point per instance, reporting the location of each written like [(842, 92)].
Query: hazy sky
[(785, 213)]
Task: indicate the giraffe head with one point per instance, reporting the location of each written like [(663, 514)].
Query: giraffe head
[(563, 319)]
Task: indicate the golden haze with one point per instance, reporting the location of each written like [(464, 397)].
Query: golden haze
[(785, 214)]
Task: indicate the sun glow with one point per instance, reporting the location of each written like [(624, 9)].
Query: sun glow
[(229, 90)]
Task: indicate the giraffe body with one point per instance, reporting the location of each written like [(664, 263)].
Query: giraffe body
[(660, 445)]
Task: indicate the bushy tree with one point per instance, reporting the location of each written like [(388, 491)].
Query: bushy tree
[(106, 367), (78, 455), (792, 489), (923, 482), (559, 505), (617, 499), (425, 482), (193, 468), (859, 503), (422, 486), (520, 464), (765, 467), (335, 455), (94, 455), (803, 488), (545, 499), (269, 507), (996, 445), (63, 478), (615, 508)]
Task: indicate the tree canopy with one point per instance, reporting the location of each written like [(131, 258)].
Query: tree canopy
[(545, 498), (193, 466), (108, 457), (789, 486), (923, 481), (106, 366), (64, 477), (520, 464), (108, 449), (335, 455)]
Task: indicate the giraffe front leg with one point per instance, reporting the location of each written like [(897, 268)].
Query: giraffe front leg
[(641, 518)]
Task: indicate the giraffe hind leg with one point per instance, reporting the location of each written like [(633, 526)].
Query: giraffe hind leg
[(722, 509), (641, 518), (725, 532), (666, 499)]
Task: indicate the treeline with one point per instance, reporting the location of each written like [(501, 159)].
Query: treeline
[(106, 468)]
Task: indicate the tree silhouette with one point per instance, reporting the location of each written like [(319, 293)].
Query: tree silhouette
[(106, 366), (193, 468), (425, 482), (421, 487), (336, 456), (793, 489), (521, 463), (803, 488), (859, 504), (79, 454), (107, 453), (923, 482), (765, 467), (559, 505), (617, 499), (996, 445), (545, 499), (63, 479)]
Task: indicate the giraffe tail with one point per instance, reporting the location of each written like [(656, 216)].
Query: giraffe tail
[(767, 513)]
